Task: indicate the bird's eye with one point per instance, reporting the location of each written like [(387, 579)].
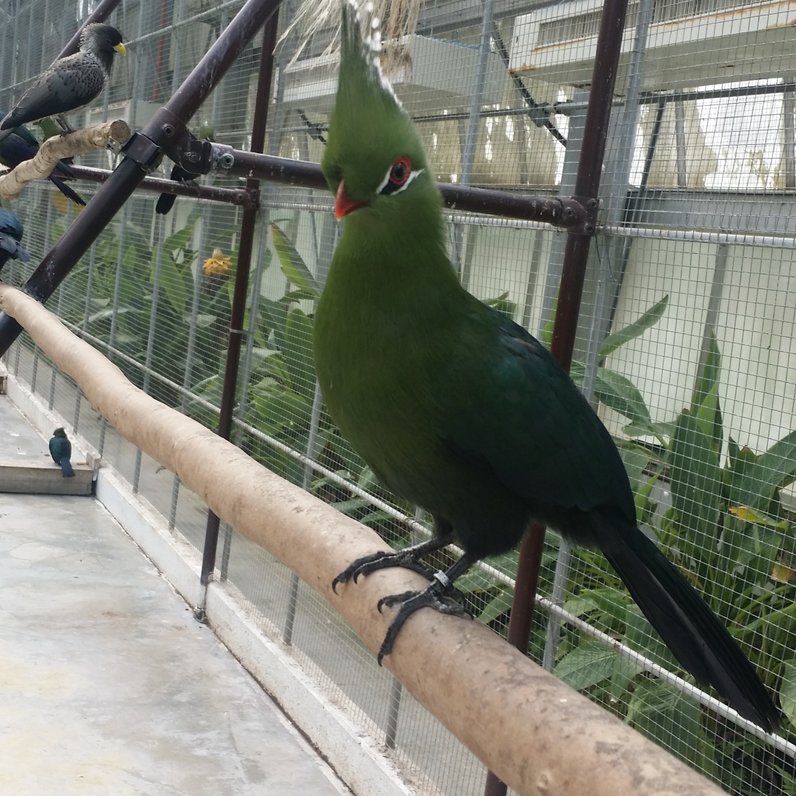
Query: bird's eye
[(398, 176)]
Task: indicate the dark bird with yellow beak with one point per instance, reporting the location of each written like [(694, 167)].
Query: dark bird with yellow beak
[(69, 83)]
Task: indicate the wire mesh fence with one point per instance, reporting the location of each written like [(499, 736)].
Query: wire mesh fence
[(685, 341)]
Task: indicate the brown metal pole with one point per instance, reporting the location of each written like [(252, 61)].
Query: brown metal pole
[(562, 212), (576, 253), (243, 268), (232, 196)]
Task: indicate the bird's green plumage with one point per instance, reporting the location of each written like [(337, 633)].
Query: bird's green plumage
[(360, 144), (457, 408), (423, 378)]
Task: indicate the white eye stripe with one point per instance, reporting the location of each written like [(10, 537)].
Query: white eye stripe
[(386, 179)]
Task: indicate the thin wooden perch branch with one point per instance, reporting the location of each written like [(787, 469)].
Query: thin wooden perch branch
[(58, 147)]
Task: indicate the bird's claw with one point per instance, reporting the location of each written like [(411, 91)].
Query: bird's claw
[(437, 596), (393, 599), (383, 559)]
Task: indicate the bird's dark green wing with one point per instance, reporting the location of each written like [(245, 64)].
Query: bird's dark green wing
[(522, 415)]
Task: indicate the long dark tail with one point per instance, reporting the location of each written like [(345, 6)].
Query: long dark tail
[(693, 633), (63, 169), (66, 468), (66, 190)]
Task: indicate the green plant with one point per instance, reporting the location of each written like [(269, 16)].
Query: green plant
[(724, 526)]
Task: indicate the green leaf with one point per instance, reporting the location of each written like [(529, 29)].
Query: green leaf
[(274, 367), (624, 671), (638, 327), (273, 317), (279, 409), (177, 243), (635, 458), (708, 415), (500, 604), (203, 320), (297, 351), (696, 485), (619, 393), (546, 334), (754, 482), (586, 665), (671, 719), (110, 312), (787, 691), (172, 283), (580, 604), (292, 264), (502, 303), (708, 377), (752, 545), (705, 399)]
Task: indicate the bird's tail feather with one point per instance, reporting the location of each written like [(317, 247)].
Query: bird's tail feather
[(66, 190), (64, 169), (695, 635), (66, 468)]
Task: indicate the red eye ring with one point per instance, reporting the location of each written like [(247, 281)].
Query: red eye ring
[(400, 171)]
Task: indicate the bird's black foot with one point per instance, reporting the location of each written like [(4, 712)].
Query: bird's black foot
[(440, 595), (407, 559)]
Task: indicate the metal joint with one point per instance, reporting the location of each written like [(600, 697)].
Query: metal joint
[(183, 147), (253, 198), (540, 113), (143, 151), (222, 157), (588, 220)]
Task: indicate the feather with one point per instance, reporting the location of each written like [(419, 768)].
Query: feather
[(384, 24)]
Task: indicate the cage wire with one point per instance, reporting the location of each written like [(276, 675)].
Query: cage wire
[(694, 256)]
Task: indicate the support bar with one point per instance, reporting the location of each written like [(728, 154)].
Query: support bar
[(232, 196), (568, 213)]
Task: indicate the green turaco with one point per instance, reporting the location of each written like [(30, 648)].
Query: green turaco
[(460, 410)]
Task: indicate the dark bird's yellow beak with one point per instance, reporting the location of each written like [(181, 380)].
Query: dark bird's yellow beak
[(120, 48)]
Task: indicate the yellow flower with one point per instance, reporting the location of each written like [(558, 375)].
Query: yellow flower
[(217, 264)]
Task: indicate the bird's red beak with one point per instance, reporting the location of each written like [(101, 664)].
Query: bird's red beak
[(344, 204)]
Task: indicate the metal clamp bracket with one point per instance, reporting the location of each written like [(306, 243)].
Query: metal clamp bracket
[(143, 151)]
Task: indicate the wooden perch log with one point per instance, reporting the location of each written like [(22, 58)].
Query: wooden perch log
[(536, 733), (58, 147)]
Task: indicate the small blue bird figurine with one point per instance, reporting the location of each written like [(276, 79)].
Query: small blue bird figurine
[(61, 451)]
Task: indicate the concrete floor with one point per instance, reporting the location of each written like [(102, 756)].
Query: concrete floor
[(108, 685), (426, 754)]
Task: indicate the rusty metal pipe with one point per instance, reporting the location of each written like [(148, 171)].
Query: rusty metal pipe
[(562, 212), (232, 196), (576, 253), (241, 290)]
